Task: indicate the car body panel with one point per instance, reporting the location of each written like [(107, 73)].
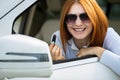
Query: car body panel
[(21, 55), (9, 15), (6, 8), (73, 70), (89, 71)]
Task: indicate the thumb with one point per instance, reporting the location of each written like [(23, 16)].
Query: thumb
[(78, 54), (51, 46)]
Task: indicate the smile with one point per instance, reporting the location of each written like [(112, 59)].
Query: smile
[(79, 29)]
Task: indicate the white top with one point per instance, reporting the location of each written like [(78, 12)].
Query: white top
[(110, 57)]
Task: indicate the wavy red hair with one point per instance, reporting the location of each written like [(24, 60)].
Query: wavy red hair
[(96, 16)]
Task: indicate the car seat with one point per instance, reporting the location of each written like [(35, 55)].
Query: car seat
[(52, 23), (47, 29)]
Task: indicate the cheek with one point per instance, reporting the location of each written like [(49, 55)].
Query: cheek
[(69, 27), (89, 29), (90, 26)]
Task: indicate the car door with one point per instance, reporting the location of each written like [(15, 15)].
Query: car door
[(88, 68)]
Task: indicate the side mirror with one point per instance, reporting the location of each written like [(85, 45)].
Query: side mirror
[(24, 56)]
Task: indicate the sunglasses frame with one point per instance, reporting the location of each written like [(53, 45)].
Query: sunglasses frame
[(71, 18)]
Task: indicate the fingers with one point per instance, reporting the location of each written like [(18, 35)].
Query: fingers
[(56, 52), (85, 52), (51, 46), (79, 54), (61, 57)]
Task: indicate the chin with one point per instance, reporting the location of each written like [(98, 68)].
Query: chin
[(80, 38)]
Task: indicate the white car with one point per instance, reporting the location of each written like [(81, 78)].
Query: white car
[(23, 56)]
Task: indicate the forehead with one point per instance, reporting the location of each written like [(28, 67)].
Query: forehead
[(76, 8)]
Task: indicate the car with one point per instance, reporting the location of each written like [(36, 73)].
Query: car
[(24, 45)]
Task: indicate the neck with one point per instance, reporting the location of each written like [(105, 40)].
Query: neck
[(81, 43)]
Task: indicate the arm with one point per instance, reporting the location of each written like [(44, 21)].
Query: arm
[(109, 54), (111, 60), (98, 51)]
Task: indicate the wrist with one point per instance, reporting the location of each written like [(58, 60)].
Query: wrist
[(100, 51)]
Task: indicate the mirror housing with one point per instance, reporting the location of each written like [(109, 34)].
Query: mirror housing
[(24, 56)]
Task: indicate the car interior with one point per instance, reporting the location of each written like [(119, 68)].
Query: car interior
[(42, 19), (111, 3)]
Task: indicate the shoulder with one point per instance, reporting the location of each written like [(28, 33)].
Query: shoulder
[(111, 38), (110, 29), (111, 33)]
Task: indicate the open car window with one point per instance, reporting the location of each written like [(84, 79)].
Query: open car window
[(40, 21), (33, 20)]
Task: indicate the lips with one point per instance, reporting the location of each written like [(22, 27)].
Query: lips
[(79, 29)]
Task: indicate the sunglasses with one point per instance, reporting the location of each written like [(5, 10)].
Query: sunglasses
[(71, 18)]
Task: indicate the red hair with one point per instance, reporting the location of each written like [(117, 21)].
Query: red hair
[(96, 16)]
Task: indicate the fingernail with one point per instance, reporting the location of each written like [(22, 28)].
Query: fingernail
[(52, 42)]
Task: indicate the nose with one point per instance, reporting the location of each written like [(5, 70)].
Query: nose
[(78, 22)]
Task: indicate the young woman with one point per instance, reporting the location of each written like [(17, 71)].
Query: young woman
[(84, 31)]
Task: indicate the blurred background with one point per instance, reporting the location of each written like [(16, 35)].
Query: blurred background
[(42, 18), (112, 10)]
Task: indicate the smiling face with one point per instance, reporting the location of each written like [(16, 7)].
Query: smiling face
[(80, 27)]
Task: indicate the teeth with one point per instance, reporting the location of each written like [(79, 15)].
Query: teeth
[(80, 29)]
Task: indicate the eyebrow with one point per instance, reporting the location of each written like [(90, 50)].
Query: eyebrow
[(78, 13)]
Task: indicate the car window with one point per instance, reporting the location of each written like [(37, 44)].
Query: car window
[(37, 18), (40, 21), (31, 20)]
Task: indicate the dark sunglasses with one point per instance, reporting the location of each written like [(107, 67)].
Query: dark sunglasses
[(71, 18)]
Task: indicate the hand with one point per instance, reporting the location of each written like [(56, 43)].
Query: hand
[(56, 52), (98, 51)]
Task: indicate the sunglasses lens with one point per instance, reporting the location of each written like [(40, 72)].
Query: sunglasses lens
[(70, 19), (84, 17)]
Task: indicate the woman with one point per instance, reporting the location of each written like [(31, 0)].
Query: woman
[(84, 31)]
